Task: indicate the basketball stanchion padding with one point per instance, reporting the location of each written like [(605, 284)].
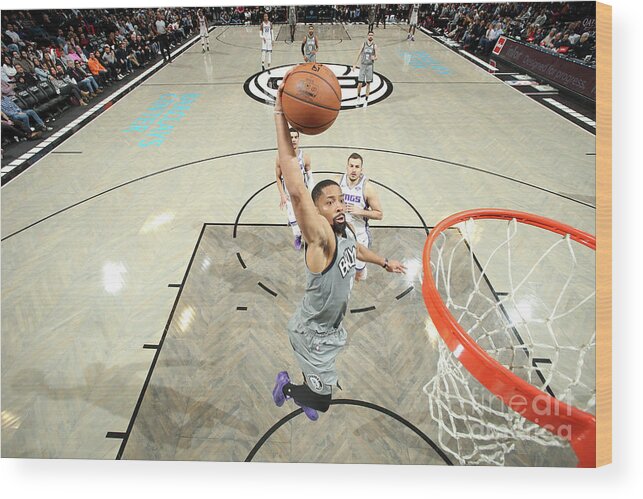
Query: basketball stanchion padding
[(514, 368)]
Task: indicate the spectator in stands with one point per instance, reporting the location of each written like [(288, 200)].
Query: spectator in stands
[(584, 47), (16, 42), (68, 88), (548, 41), (98, 70), (563, 41), (84, 79), (126, 58), (41, 73), (23, 79), (21, 59), (48, 61), (8, 88), (11, 129), (109, 62), (15, 114), (542, 18), (8, 69)]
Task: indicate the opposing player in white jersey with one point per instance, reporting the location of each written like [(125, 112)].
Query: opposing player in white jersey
[(413, 21), (203, 30), (362, 204), (284, 197), (266, 42)]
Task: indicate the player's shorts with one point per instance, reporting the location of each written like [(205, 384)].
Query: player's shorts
[(312, 58), (266, 46), (292, 21), (316, 354), (414, 20), (204, 32), (363, 238), (365, 73)]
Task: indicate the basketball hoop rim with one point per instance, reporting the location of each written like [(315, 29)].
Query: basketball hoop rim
[(490, 373)]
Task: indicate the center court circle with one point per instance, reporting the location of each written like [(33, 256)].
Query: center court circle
[(262, 86)]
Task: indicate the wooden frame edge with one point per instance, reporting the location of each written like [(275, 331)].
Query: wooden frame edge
[(603, 234)]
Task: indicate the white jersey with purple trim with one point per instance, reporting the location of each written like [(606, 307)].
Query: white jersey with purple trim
[(203, 26), (355, 196), (302, 167), (414, 14), (266, 36)]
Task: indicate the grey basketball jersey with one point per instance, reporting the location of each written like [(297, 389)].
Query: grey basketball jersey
[(326, 297), (309, 47), (368, 52)]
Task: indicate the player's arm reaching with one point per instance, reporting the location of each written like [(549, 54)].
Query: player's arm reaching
[(366, 255), (280, 187), (375, 211), (315, 228)]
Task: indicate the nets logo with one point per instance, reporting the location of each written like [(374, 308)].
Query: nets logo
[(262, 87), (315, 382)]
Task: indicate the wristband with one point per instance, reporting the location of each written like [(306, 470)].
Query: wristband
[(278, 112), (385, 263)]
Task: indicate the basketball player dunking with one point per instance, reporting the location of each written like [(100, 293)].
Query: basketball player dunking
[(362, 204), (315, 330), (203, 30), (310, 45), (284, 199), (266, 42)]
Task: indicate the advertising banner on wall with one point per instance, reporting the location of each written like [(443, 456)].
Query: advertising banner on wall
[(561, 71)]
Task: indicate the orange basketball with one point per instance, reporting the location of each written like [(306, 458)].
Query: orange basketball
[(312, 98)]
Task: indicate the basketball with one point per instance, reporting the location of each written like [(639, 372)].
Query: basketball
[(311, 98)]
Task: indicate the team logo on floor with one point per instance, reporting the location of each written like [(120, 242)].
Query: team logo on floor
[(263, 86), (315, 382)]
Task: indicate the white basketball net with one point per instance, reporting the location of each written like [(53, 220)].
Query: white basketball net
[(532, 310)]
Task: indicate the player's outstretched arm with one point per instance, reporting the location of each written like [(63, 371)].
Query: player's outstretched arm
[(366, 255), (280, 187), (313, 226)]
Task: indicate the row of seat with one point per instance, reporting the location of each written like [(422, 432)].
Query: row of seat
[(44, 98)]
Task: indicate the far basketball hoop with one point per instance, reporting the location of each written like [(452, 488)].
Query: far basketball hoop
[(518, 321)]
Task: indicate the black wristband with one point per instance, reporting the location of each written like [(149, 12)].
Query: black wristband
[(385, 263)]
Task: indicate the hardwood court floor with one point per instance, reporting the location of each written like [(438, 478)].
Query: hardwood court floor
[(95, 242)]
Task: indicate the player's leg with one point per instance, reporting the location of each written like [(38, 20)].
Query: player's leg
[(364, 238), (292, 222), (269, 58), (316, 356)]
